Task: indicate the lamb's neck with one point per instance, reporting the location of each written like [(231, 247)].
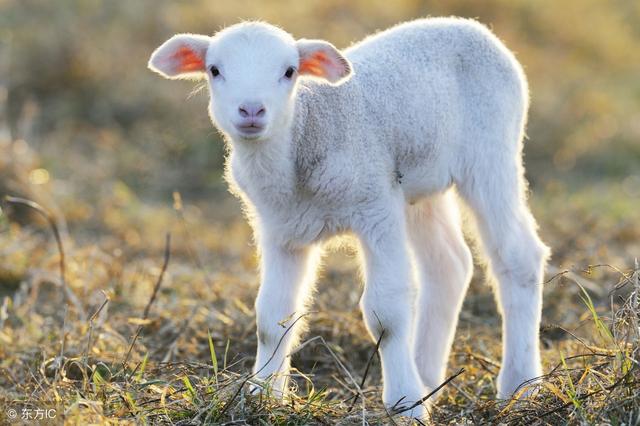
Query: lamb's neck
[(264, 153), (265, 169)]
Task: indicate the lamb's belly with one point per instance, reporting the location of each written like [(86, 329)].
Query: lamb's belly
[(419, 182)]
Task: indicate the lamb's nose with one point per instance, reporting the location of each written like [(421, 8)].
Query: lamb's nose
[(251, 109)]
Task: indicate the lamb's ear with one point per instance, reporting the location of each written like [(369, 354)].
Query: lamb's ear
[(182, 56), (321, 59)]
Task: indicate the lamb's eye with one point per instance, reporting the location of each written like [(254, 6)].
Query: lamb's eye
[(289, 72), (214, 71)]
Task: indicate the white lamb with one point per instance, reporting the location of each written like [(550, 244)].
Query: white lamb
[(372, 141)]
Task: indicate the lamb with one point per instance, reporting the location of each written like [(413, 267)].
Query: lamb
[(380, 140)]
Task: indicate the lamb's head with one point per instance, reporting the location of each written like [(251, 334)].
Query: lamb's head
[(252, 71)]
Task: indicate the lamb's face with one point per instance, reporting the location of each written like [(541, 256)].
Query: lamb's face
[(252, 79), (252, 70)]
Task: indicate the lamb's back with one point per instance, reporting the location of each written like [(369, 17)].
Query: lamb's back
[(414, 89)]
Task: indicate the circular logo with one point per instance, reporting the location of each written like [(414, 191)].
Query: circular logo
[(11, 413)]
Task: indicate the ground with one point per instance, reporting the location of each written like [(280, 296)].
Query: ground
[(182, 353)]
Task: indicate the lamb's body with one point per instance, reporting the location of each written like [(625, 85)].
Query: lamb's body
[(428, 100), (433, 104)]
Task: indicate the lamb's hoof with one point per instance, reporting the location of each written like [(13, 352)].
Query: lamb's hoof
[(272, 388), (256, 389), (410, 408), (524, 391), (518, 386), (418, 412)]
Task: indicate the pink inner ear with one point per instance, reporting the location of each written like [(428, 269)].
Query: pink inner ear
[(188, 60), (317, 64)]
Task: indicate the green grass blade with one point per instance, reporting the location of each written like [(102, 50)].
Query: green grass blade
[(214, 358), (143, 366), (189, 386), (226, 352), (600, 325)]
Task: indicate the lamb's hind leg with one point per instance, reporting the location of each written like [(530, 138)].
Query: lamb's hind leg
[(517, 258), (443, 268)]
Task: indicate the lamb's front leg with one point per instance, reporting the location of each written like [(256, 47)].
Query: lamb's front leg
[(286, 278), (388, 304)]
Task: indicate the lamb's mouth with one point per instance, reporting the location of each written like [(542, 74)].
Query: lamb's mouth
[(250, 131)]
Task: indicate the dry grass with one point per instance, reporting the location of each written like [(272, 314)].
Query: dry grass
[(160, 339)]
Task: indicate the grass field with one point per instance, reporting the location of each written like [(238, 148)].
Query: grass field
[(133, 327)]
